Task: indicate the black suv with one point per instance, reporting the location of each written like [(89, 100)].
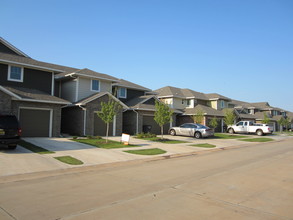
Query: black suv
[(9, 131)]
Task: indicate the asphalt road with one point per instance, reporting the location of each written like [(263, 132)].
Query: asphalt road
[(253, 182)]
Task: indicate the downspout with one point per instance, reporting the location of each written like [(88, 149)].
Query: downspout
[(136, 120)]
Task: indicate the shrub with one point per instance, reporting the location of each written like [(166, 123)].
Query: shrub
[(74, 137), (146, 135)]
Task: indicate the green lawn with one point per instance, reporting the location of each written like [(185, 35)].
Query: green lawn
[(228, 136), (101, 143), (257, 139), (206, 145), (69, 160), (165, 141), (153, 151), (34, 148)]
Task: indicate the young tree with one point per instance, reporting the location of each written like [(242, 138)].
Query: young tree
[(163, 115), (108, 111), (284, 122), (287, 122), (214, 122), (266, 119), (198, 117), (229, 117)]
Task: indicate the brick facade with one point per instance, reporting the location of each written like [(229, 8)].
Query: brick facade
[(5, 103)]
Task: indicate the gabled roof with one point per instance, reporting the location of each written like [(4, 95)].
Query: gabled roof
[(261, 105), (130, 85), (206, 109), (86, 73), (170, 91), (32, 95), (216, 96), (260, 116), (99, 95), (12, 48), (143, 103), (240, 104), (29, 62), (247, 116)]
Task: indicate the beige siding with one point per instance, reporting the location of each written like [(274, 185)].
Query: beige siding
[(177, 103), (68, 90), (214, 104), (84, 87), (105, 86)]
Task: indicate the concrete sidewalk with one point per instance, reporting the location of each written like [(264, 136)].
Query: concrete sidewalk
[(23, 161)]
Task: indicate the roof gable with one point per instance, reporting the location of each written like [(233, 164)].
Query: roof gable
[(170, 91), (86, 73), (131, 85), (6, 47)]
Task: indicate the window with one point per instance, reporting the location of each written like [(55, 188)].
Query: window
[(222, 104), (15, 73), (240, 123), (122, 93), (188, 102), (95, 85)]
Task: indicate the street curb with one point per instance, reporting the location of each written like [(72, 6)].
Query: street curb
[(91, 168)]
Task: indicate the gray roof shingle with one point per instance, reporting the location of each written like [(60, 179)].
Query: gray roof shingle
[(33, 95), (170, 91), (130, 85), (206, 109)]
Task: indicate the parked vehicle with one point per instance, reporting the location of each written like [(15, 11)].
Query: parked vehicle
[(10, 131), (249, 127), (192, 130)]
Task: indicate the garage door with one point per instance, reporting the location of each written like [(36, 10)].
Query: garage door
[(100, 127), (35, 123), (150, 125)]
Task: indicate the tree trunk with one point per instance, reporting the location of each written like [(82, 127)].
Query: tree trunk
[(107, 132), (162, 132)]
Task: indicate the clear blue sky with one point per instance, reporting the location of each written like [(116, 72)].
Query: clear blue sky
[(240, 49)]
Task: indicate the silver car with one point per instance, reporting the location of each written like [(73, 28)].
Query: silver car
[(192, 130)]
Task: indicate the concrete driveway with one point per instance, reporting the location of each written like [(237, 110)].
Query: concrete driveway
[(22, 161)]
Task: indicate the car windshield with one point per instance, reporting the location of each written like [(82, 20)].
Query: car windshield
[(8, 122)]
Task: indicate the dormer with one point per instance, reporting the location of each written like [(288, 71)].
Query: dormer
[(217, 101), (126, 90)]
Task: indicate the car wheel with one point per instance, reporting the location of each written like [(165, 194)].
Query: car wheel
[(173, 132), (12, 147), (231, 131), (259, 132), (197, 135)]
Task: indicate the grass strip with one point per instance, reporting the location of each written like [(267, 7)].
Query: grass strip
[(165, 141), (206, 145), (69, 160), (153, 151), (228, 136), (34, 148), (257, 139), (101, 143)]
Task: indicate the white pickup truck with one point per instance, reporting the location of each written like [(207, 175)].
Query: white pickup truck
[(249, 127)]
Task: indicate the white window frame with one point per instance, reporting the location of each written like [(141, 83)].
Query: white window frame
[(9, 74), (119, 93), (94, 90)]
